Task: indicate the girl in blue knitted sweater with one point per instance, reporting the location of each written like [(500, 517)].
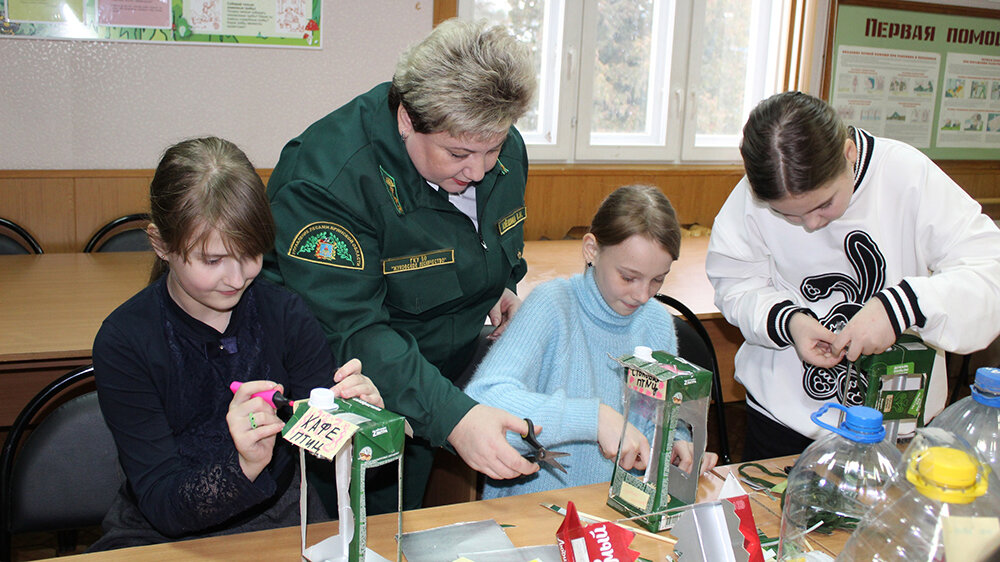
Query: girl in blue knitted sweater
[(552, 364)]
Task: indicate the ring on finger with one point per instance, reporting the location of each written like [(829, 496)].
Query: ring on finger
[(253, 421)]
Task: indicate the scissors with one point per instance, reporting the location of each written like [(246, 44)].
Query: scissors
[(539, 453)]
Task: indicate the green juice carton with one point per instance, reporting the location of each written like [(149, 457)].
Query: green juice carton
[(896, 383), (355, 436), (664, 396)]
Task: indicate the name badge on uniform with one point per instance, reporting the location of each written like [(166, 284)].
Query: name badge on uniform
[(419, 261), (511, 220)]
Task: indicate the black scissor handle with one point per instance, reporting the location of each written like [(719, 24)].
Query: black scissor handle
[(530, 437)]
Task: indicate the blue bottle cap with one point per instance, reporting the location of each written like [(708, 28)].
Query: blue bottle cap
[(861, 423), (864, 420), (986, 390)]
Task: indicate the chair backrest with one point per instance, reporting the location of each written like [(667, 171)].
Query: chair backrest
[(66, 473), (124, 234), (14, 239), (695, 345), (690, 345)]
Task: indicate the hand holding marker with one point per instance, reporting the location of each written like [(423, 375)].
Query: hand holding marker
[(273, 397)]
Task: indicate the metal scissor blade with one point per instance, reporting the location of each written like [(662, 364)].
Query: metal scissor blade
[(550, 458), (538, 452)]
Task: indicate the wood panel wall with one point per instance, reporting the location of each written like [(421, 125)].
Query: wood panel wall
[(560, 198), (63, 208)]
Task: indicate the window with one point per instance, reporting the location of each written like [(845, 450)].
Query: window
[(642, 80)]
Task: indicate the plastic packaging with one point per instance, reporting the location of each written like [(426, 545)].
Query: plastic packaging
[(976, 418), (940, 479), (836, 480)]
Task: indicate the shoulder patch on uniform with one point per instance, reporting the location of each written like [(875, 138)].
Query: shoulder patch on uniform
[(327, 243), (419, 261), (503, 169), (511, 220), (390, 185)]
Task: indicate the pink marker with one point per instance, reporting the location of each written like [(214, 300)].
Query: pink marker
[(272, 397)]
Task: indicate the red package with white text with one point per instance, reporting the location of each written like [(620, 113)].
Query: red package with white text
[(597, 541), (748, 527)]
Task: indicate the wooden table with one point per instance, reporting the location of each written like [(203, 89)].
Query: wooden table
[(51, 306), (532, 525)]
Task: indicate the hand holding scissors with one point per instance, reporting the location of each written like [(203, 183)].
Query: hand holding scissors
[(539, 453)]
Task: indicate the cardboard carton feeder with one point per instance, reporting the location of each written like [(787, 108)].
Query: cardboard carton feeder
[(663, 393), (356, 436), (897, 382)]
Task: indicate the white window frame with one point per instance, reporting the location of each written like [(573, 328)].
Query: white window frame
[(652, 144), (725, 147), (556, 143), (567, 139)]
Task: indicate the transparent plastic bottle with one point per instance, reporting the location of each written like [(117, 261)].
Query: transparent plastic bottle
[(836, 480), (976, 418), (940, 476)]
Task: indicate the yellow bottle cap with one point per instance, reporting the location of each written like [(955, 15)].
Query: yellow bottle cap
[(947, 474)]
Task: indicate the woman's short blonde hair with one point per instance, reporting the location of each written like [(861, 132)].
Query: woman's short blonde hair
[(468, 79)]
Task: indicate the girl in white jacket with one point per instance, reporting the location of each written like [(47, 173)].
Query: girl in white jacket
[(833, 244)]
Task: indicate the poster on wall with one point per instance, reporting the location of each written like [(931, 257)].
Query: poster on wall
[(928, 79), (970, 110), (889, 93), (259, 23)]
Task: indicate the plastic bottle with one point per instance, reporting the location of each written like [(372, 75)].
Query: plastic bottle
[(836, 480), (976, 418), (940, 477)]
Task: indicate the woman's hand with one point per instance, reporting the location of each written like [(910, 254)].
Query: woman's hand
[(350, 383), (682, 456), (813, 341), (502, 312), (253, 444), (480, 438), (635, 448)]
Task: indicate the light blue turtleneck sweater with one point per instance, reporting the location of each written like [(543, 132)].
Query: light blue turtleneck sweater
[(552, 365)]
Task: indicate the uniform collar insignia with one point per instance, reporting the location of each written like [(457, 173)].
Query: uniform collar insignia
[(390, 185)]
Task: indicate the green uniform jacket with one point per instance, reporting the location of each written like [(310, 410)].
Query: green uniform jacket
[(396, 274)]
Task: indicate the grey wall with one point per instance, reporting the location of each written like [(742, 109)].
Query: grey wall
[(96, 105)]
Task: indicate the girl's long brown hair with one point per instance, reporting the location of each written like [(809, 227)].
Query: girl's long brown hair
[(204, 184)]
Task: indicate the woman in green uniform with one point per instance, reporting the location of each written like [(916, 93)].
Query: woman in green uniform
[(400, 222)]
